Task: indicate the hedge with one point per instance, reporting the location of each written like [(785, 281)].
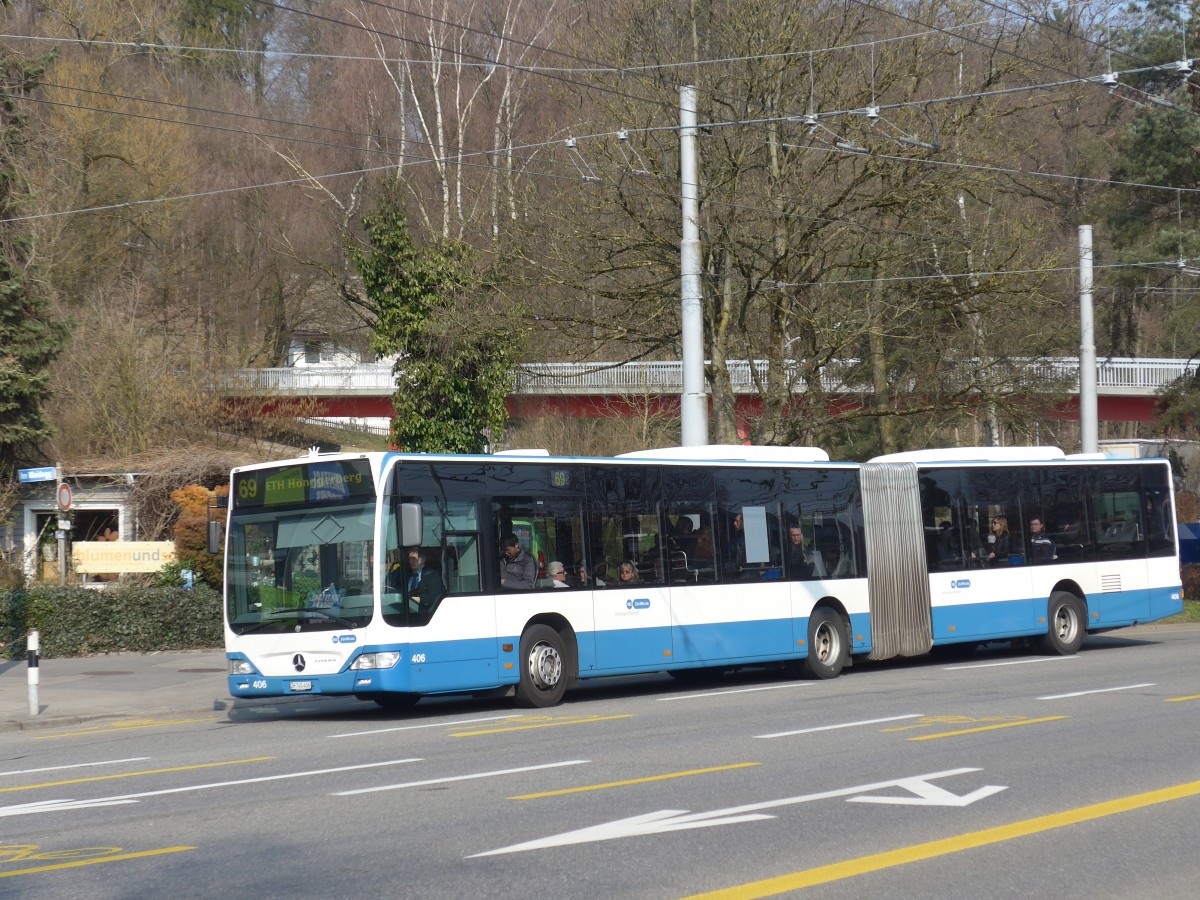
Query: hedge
[(75, 621)]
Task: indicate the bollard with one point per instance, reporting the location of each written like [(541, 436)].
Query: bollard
[(34, 709)]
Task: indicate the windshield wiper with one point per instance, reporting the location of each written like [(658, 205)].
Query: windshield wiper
[(279, 615), (272, 618), (327, 614)]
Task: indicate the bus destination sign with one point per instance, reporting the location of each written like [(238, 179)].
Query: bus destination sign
[(318, 482)]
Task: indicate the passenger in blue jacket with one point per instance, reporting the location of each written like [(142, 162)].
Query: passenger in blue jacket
[(1041, 548)]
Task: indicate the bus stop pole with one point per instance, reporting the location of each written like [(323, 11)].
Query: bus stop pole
[(32, 645)]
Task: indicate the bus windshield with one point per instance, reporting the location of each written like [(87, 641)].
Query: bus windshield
[(301, 569)]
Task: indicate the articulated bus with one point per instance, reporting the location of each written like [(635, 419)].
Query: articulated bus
[(740, 556)]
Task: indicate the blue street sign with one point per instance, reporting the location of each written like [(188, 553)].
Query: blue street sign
[(45, 473)]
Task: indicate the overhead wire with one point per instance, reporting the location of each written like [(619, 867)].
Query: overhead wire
[(460, 157), (480, 60)]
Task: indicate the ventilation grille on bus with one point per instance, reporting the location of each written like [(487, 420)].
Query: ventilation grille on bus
[(1110, 584)]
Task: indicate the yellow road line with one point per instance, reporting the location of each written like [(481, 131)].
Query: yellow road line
[(212, 765), (1181, 699), (91, 862), (926, 721), (554, 724), (934, 737), (613, 784), (133, 725), (917, 852)]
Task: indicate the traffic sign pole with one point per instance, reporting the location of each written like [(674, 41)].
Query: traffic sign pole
[(62, 490)]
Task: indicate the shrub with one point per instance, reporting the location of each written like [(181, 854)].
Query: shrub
[(75, 621), (1190, 575)]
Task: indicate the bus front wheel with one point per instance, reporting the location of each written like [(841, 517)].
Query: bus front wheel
[(828, 646), (1065, 624), (543, 668)]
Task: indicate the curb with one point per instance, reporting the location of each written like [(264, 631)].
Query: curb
[(219, 704)]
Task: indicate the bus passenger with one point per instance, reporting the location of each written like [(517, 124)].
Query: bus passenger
[(586, 580), (518, 571), (628, 573), (558, 574), (735, 546), (1041, 548), (1001, 541), (799, 559)]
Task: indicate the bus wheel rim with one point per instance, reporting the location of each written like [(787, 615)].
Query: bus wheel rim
[(1065, 622), (545, 666), (825, 642)]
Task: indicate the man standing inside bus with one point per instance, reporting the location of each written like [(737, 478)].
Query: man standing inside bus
[(518, 571), (1041, 548), (800, 563)]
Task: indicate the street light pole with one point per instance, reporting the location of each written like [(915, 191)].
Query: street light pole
[(1089, 439), (693, 408)]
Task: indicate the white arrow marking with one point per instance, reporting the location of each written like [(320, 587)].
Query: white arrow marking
[(931, 795), (679, 819)]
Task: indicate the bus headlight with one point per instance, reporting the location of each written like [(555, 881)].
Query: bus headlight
[(384, 660), (241, 667)]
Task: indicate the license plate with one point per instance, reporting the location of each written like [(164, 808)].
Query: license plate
[(300, 686)]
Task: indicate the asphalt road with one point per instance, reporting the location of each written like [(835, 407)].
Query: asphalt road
[(1006, 774)]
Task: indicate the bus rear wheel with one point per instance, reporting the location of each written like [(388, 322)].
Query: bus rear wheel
[(543, 668), (828, 646), (1065, 624)]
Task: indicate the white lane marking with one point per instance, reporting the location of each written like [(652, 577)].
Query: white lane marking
[(422, 725), (40, 806), (773, 687), (680, 819), (843, 725), (1014, 662), (408, 784), (57, 805), (1128, 687), (103, 762)]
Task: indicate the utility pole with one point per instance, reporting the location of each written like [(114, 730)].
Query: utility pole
[(1089, 438), (693, 407)]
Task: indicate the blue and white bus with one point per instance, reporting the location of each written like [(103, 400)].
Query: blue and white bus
[(739, 555)]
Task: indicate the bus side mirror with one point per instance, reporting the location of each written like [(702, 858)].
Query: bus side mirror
[(412, 525), (214, 524)]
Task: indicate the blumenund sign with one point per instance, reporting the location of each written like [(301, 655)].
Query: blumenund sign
[(107, 557)]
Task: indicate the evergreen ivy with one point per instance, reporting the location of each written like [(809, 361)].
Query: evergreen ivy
[(455, 353)]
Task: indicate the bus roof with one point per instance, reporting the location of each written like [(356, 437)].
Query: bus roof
[(732, 452), (976, 454)]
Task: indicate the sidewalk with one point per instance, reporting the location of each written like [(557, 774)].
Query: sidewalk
[(77, 690)]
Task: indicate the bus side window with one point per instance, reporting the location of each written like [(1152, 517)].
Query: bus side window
[(1117, 509)]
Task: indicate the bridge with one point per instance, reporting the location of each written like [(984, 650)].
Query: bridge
[(1127, 388)]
